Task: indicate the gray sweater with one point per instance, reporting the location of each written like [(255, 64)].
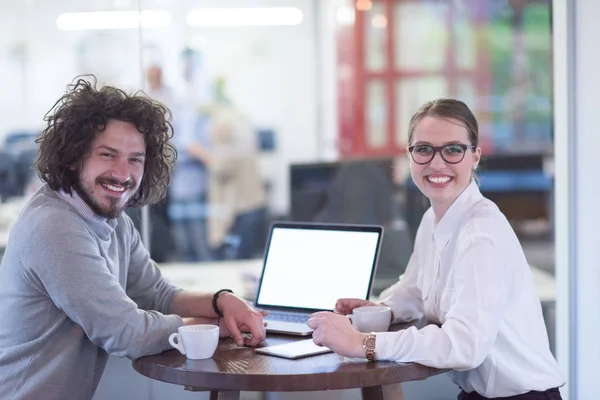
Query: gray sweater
[(74, 288)]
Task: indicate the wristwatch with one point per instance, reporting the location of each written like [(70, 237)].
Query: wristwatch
[(369, 346)]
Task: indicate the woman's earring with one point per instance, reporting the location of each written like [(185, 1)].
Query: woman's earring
[(474, 167)]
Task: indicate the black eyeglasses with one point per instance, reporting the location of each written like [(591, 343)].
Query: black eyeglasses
[(451, 153)]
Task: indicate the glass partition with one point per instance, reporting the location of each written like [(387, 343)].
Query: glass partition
[(274, 101)]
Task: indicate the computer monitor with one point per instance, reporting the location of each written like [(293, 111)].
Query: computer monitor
[(355, 192)]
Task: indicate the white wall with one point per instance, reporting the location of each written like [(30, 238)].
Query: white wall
[(576, 88), (37, 61), (327, 78)]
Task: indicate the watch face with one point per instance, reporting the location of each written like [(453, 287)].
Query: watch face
[(370, 342)]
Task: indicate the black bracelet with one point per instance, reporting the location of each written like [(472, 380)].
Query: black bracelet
[(214, 300)]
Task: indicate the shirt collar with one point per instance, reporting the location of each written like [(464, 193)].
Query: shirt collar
[(103, 227), (456, 214)]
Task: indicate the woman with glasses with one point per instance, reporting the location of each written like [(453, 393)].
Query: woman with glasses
[(467, 274)]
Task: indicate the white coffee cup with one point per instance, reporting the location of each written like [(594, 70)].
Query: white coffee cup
[(371, 318), (197, 342)]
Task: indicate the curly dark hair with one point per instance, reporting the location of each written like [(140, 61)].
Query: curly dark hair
[(83, 112)]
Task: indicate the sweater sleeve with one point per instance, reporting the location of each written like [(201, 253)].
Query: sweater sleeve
[(65, 261), (145, 284)]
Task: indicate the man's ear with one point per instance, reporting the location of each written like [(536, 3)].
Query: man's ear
[(77, 165)]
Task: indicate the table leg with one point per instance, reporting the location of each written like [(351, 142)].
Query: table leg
[(372, 393), (387, 392), (224, 395)]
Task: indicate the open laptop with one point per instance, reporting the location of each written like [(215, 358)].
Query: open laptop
[(308, 266)]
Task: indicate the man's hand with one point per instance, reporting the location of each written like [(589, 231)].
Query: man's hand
[(238, 316), (336, 332), (345, 306), (224, 331)]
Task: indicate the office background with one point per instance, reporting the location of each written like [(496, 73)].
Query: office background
[(331, 91)]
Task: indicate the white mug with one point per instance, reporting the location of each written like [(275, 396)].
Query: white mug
[(371, 318), (197, 342)]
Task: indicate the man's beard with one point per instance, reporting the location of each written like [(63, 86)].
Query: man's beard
[(113, 210)]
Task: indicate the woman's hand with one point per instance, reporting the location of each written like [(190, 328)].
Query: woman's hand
[(345, 306), (336, 332)]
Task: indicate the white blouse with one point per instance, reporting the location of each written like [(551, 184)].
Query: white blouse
[(469, 274)]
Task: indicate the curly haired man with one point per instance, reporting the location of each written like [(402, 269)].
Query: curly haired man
[(76, 282)]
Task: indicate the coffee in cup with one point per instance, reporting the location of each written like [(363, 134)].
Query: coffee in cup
[(197, 342)]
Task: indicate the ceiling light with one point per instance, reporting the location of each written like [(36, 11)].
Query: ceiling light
[(113, 20)]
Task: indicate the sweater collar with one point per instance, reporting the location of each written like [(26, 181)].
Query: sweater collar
[(103, 227)]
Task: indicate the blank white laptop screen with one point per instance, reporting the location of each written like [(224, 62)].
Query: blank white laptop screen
[(312, 268)]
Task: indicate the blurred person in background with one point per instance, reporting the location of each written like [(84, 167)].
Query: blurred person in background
[(467, 274), (161, 243), (76, 282), (186, 207), (157, 89), (187, 192), (236, 192)]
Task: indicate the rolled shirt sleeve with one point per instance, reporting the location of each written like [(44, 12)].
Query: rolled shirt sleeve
[(473, 302)]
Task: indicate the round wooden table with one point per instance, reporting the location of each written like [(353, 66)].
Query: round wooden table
[(234, 369)]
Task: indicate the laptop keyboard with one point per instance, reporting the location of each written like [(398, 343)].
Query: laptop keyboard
[(287, 317)]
